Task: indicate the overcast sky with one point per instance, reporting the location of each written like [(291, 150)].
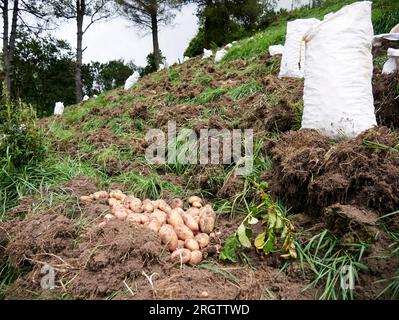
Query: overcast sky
[(117, 39)]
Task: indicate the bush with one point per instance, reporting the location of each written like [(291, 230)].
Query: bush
[(21, 141)]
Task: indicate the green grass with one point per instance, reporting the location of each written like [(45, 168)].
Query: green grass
[(245, 90), (73, 115), (210, 95), (59, 133)]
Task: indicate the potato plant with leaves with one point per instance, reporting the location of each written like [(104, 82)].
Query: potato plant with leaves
[(277, 237)]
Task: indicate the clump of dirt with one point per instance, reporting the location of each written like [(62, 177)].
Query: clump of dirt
[(350, 221), (80, 186), (386, 98), (311, 172), (233, 186)]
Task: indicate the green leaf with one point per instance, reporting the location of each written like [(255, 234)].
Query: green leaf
[(267, 248), (243, 237), (272, 219), (260, 240), (230, 248)]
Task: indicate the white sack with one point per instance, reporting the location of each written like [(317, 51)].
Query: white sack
[(276, 49), (338, 97), (294, 49), (207, 54), (228, 46), (220, 54), (130, 82), (395, 29), (59, 109), (392, 63), (86, 98), (186, 59)]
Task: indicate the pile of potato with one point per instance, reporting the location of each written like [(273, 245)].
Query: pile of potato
[(185, 233)]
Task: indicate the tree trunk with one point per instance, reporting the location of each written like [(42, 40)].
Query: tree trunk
[(6, 60), (208, 24), (80, 13), (11, 47), (155, 42)]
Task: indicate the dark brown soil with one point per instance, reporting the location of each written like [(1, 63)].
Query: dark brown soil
[(310, 172)]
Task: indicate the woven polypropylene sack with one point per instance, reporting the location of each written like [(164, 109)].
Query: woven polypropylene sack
[(130, 82), (294, 52), (338, 97), (59, 109)]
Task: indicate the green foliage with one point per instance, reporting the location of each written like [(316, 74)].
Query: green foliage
[(244, 90), (151, 67), (209, 95), (196, 45)]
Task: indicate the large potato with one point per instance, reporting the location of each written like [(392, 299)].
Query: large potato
[(202, 239), (174, 218), (148, 207), (193, 212), (120, 213), (197, 204), (113, 202), (190, 222), (191, 244), (177, 203), (117, 194), (164, 206), (208, 211), (100, 195), (146, 201), (86, 199), (183, 232), (134, 218), (169, 237), (182, 255), (196, 257), (207, 223), (160, 216), (154, 225)]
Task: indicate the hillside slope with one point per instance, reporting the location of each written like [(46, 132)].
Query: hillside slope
[(100, 144)]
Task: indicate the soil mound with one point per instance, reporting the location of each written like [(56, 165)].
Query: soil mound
[(311, 172)]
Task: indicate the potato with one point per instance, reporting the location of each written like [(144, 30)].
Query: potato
[(180, 244), (197, 204), (102, 224), (207, 210), (154, 225), (113, 202), (207, 223), (86, 199), (108, 217), (128, 200), (191, 244), (193, 212), (190, 222), (146, 201), (177, 203), (168, 237), (159, 215), (193, 199), (164, 206), (148, 207), (134, 218), (103, 195), (144, 219), (180, 211), (182, 255), (183, 232), (197, 219), (202, 239), (196, 257), (155, 204), (174, 218), (118, 195), (120, 213)]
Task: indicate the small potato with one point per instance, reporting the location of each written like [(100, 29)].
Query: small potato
[(118, 195), (136, 208), (159, 215), (180, 244), (164, 206), (183, 232), (168, 237), (191, 245), (202, 239), (197, 204), (193, 212), (174, 218), (102, 224), (148, 207), (155, 204), (108, 217), (154, 225), (146, 201), (190, 222), (134, 218), (207, 224), (120, 214), (177, 203), (196, 257), (193, 199), (144, 219), (86, 199), (128, 200), (182, 255), (100, 195), (113, 202)]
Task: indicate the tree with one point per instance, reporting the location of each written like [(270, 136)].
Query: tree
[(150, 15), (151, 67), (95, 10), (19, 10)]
